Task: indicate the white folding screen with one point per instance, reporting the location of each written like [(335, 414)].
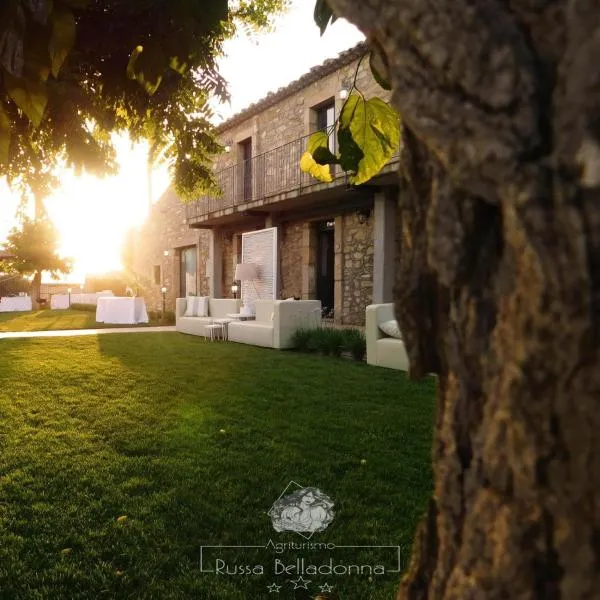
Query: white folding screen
[(260, 248)]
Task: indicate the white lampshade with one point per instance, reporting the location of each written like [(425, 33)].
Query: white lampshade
[(246, 272)]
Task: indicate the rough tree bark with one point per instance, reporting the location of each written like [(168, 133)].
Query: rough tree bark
[(35, 290), (499, 288)]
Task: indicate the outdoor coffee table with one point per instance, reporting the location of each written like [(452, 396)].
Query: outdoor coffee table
[(214, 331), (224, 323)]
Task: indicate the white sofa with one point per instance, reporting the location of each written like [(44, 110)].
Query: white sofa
[(218, 308), (276, 321), (383, 350)]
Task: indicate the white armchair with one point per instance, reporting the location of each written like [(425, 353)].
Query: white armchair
[(383, 350)]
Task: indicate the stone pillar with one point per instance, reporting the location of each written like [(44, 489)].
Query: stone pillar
[(216, 268), (309, 252), (384, 231), (338, 270)]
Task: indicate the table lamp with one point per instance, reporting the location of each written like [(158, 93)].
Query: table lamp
[(246, 272)]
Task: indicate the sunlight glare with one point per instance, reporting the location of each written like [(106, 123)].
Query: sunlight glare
[(94, 214)]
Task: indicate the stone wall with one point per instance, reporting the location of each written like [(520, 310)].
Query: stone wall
[(165, 229), (357, 269), (290, 258), (293, 117)]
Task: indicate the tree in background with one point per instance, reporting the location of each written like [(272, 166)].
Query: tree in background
[(499, 284), (33, 249)]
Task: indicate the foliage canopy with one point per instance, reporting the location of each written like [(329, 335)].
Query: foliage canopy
[(74, 71)]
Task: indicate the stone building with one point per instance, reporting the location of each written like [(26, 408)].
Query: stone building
[(335, 242)]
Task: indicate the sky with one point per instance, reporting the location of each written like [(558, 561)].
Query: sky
[(94, 214)]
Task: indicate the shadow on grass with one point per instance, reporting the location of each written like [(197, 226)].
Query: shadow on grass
[(193, 441)]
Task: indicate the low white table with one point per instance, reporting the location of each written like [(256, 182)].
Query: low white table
[(15, 303), (214, 331), (224, 325), (121, 310)]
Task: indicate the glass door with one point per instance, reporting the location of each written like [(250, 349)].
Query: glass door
[(188, 272)]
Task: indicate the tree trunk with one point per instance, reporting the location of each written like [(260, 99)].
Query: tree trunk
[(36, 284), (499, 291)]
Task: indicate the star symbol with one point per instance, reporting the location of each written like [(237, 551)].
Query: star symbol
[(274, 588), (301, 583), (326, 587)]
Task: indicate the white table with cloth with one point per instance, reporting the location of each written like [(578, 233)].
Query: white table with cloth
[(15, 303), (59, 301), (121, 310)]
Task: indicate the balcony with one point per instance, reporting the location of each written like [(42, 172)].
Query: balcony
[(267, 182)]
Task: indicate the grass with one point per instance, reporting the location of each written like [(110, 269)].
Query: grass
[(44, 320), (192, 441)]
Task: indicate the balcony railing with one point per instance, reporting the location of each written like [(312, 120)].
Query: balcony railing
[(268, 174), (274, 172)]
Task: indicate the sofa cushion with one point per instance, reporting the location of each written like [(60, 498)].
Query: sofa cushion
[(221, 307), (391, 328), (251, 332), (391, 353), (263, 310), (193, 325), (202, 306), (191, 306)]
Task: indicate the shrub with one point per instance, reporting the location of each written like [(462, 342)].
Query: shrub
[(319, 341), (168, 318), (86, 307), (355, 343), (300, 339), (330, 341), (156, 317), (334, 341)]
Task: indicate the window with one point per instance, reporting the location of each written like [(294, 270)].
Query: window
[(187, 272), (245, 155), (157, 274), (325, 118)]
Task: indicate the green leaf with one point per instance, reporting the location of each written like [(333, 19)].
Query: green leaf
[(38, 9), (323, 15), (320, 172), (178, 65), (318, 147), (374, 128), (350, 153), (319, 139), (132, 60), (11, 51), (4, 135), (147, 65), (380, 68), (63, 37), (30, 96), (324, 156)]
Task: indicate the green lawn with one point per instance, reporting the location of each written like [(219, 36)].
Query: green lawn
[(192, 442), (42, 320)]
